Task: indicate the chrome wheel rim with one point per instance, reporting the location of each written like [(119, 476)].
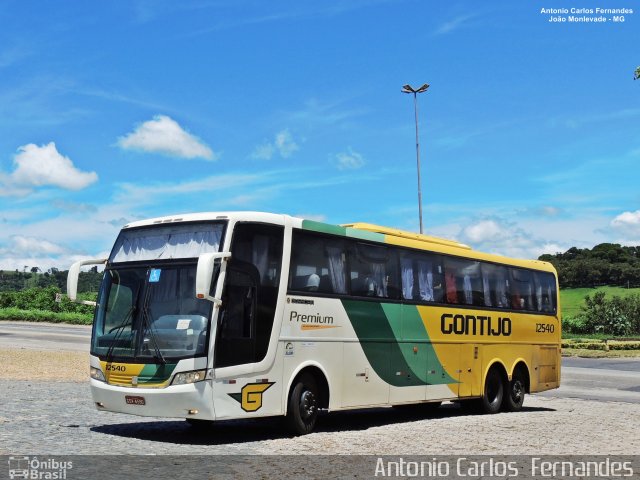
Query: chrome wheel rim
[(308, 405)]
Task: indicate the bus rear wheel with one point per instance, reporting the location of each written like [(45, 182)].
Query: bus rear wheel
[(302, 411), (514, 397), (491, 400)]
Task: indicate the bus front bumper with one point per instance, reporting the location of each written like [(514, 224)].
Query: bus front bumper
[(176, 401)]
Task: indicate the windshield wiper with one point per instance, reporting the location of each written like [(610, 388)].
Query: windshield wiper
[(127, 320), (147, 326)]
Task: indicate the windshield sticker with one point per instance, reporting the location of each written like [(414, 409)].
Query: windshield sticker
[(154, 275), (183, 324)]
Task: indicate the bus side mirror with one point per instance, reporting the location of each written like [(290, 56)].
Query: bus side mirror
[(72, 279), (204, 275)]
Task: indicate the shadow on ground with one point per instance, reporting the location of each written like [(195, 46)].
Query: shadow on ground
[(255, 430)]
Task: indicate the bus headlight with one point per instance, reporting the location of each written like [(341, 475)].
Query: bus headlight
[(97, 374), (184, 378)]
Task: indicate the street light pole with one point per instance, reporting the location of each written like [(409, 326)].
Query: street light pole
[(409, 89)]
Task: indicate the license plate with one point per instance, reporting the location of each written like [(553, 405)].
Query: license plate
[(131, 400)]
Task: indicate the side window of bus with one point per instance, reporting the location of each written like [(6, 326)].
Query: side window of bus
[(545, 292), (463, 282), (318, 264), (422, 277), (495, 286), (522, 291), (374, 271)]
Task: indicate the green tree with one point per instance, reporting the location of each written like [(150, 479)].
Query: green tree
[(636, 75)]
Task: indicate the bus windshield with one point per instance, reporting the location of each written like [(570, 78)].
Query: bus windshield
[(147, 309), (150, 314)]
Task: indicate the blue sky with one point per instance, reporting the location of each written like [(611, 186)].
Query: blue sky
[(116, 111)]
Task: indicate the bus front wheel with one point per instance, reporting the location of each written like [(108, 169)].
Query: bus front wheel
[(302, 411), (493, 392)]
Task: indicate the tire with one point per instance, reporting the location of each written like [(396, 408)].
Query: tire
[(514, 396), (493, 395), (302, 411)]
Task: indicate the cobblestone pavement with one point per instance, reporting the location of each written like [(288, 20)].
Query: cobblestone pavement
[(58, 418)]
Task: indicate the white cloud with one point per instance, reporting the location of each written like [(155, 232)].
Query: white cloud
[(33, 246), (283, 144), (31, 252), (164, 135), (628, 224), (349, 160), (502, 237), (43, 166), (627, 219), (483, 231)]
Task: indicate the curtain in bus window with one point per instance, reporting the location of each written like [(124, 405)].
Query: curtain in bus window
[(468, 291), (539, 296), (336, 269), (501, 289), (379, 280), (486, 288), (545, 295), (522, 289), (425, 280), (260, 255), (159, 243), (406, 264)]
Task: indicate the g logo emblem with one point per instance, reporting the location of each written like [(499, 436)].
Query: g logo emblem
[(250, 397)]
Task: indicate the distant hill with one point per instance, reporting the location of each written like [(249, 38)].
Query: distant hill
[(11, 281), (604, 264)]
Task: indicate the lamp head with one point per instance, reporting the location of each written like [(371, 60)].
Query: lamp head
[(409, 89)]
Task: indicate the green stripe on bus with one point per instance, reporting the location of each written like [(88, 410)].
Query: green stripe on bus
[(396, 343), (152, 373), (323, 227), (342, 231), (380, 345), (413, 331)]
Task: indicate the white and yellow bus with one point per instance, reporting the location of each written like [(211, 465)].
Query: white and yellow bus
[(229, 315)]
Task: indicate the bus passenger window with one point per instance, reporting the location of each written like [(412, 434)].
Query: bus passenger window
[(317, 264), (374, 272), (421, 277), (545, 292), (522, 289), (495, 285), (463, 282)]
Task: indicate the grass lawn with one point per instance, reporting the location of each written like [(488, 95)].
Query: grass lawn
[(583, 352), (571, 299)]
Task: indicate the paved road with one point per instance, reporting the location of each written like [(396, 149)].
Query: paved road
[(44, 336), (606, 379), (602, 379)]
